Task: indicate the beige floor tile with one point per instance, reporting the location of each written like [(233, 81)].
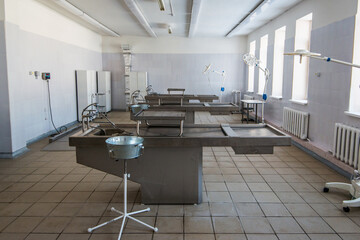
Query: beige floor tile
[(5, 221), (350, 236), (301, 210), (19, 187), (324, 237), (52, 225), (137, 206), (313, 197), (227, 225), (327, 210), (171, 210), (66, 209), (100, 197), (249, 210), (242, 197), (92, 210), (290, 197), (266, 197), (253, 178), (53, 197), (293, 237), (14, 209), (314, 225), (176, 236), (198, 225), (67, 236), (29, 197), (64, 186), (302, 187), (222, 209), (199, 237), (280, 187), (77, 197), (237, 187), (81, 224), (274, 210), (342, 224), (23, 225), (261, 237), (39, 210), (256, 225), (85, 187), (42, 187), (134, 227), (285, 225), (230, 236), (219, 197), (216, 187), (201, 210), (170, 224), (38, 236), (13, 236)]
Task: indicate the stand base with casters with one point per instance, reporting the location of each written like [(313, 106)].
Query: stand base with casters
[(352, 188), (124, 214)]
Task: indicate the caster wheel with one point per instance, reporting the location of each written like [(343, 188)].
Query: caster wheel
[(326, 189), (346, 209)]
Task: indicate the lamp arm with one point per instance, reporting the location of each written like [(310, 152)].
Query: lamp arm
[(328, 59)]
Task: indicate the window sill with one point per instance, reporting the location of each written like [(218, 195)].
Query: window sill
[(300, 102), (249, 91), (276, 97), (352, 114)]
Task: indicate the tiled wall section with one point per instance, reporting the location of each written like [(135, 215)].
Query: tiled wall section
[(186, 71), (28, 96), (114, 62), (5, 130), (328, 95)]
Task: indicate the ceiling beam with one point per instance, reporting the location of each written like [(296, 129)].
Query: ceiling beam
[(78, 12), (246, 18), (195, 13), (134, 8)]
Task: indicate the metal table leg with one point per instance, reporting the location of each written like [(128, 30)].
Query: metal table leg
[(247, 113), (181, 128), (256, 117), (138, 128)]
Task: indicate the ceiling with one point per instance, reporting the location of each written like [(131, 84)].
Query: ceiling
[(208, 18)]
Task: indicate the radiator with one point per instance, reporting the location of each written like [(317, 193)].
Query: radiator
[(346, 144), (296, 122)]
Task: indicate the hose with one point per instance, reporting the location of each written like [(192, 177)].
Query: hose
[(50, 110)]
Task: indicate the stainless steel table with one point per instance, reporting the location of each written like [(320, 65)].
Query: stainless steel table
[(248, 102)]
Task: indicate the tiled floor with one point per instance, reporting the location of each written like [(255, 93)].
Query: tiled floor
[(47, 195)]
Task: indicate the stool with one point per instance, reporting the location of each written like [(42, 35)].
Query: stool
[(125, 148)]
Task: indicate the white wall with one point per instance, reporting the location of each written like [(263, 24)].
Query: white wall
[(177, 62), (328, 95), (40, 39), (176, 45)]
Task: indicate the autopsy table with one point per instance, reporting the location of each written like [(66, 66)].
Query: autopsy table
[(191, 108), (159, 99), (170, 170)]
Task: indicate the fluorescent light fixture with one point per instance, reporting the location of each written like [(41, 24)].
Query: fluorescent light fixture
[(195, 13), (306, 53), (77, 12), (258, 10), (134, 8), (161, 5), (169, 29)]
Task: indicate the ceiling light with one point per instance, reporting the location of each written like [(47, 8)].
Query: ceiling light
[(78, 12), (161, 5)]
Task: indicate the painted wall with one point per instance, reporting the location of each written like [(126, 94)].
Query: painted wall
[(177, 62), (328, 95), (5, 130), (40, 39)]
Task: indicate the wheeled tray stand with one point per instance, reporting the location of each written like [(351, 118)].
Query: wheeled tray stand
[(353, 189)]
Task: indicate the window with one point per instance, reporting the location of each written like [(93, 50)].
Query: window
[(278, 69), (263, 62), (301, 70), (251, 68), (354, 103)]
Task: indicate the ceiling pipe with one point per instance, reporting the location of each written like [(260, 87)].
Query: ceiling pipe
[(195, 13), (247, 18), (134, 8), (79, 13)]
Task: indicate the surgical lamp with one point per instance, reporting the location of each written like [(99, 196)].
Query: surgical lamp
[(251, 60), (306, 53), (221, 73)]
